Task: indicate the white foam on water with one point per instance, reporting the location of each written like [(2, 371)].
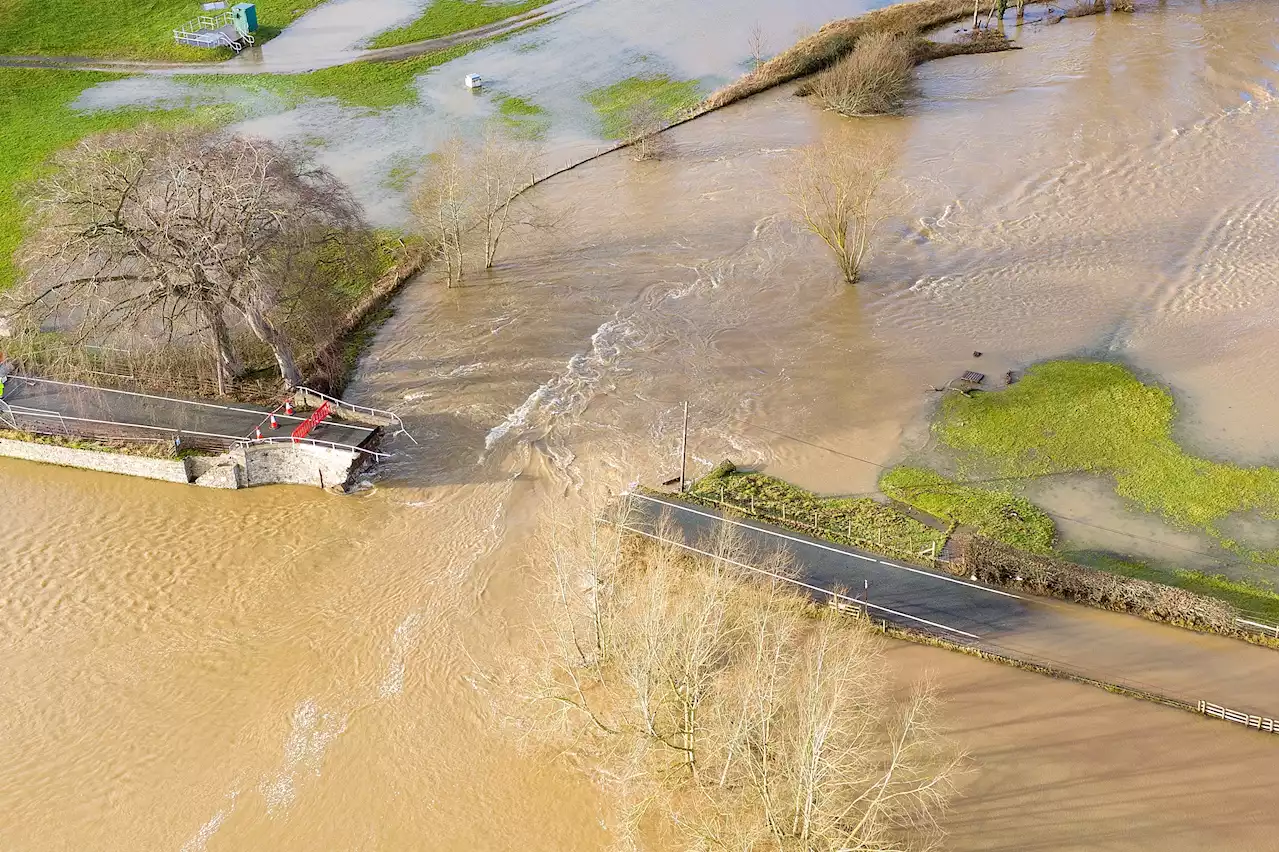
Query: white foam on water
[(311, 733), (200, 840), (572, 389)]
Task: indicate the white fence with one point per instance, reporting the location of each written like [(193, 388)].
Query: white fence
[(1261, 723)]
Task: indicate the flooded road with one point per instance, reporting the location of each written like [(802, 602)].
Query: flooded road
[(284, 669)]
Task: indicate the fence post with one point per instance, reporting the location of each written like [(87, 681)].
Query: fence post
[(784, 513), (851, 529)]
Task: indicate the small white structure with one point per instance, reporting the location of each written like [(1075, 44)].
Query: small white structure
[(473, 81)]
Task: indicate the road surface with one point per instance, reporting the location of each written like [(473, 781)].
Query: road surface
[(91, 412), (1104, 645)]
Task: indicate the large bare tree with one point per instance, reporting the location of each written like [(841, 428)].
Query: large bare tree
[(839, 191), (179, 231), (726, 710), (473, 188)]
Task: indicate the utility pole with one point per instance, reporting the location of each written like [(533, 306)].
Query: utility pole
[(684, 442)]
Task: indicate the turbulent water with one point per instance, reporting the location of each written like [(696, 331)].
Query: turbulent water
[(284, 669)]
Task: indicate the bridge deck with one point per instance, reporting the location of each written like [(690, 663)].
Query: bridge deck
[(96, 412)]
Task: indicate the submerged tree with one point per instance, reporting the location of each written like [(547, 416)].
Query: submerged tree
[(165, 232), (468, 188), (837, 190)]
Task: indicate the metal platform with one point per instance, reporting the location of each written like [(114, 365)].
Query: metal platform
[(212, 31)]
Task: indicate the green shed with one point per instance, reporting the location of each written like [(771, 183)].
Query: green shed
[(245, 17)]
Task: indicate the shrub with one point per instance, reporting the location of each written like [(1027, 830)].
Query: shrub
[(875, 78), (1001, 565)]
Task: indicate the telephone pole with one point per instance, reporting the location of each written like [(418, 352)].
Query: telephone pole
[(684, 442)]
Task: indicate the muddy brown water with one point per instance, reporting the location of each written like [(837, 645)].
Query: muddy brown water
[(283, 669)]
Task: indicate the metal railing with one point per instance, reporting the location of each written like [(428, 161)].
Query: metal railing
[(247, 442), (391, 418), (1268, 627)]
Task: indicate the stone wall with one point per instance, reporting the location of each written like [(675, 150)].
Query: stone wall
[(297, 464), (241, 467), (170, 470)]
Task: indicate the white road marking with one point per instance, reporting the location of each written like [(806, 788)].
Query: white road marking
[(793, 581), (841, 551)]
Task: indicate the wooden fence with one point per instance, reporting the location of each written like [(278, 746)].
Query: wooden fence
[(1261, 723)]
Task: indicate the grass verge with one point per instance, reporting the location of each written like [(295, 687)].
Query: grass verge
[(153, 450), (856, 521), (1094, 417), (614, 103), (135, 30), (446, 17), (36, 119), (995, 514)]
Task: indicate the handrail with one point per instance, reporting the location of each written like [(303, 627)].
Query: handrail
[(377, 412), (245, 442)]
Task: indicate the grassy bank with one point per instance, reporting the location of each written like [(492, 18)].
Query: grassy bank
[(857, 521), (446, 17), (835, 40), (36, 119), (614, 103), (126, 30), (147, 449), (994, 513), (1098, 418)]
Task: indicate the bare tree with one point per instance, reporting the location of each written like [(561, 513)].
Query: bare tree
[(726, 706), (176, 230), (443, 205), (470, 188), (644, 128), (758, 44), (837, 189), (503, 167)]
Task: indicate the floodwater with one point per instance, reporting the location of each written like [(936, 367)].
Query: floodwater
[(284, 669)]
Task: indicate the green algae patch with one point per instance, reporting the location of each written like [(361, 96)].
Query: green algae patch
[(1098, 418), (995, 514), (667, 97)]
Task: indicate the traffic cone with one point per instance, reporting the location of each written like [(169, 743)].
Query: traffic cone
[(257, 433), (274, 424), (288, 406)]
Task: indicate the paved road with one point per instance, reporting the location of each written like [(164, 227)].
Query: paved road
[(1104, 645), (900, 593), (90, 411)]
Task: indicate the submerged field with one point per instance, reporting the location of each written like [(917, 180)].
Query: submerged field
[(1100, 419)]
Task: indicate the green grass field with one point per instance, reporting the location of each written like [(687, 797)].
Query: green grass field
[(125, 29), (36, 119), (612, 103), (1092, 417), (446, 17), (996, 514)]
